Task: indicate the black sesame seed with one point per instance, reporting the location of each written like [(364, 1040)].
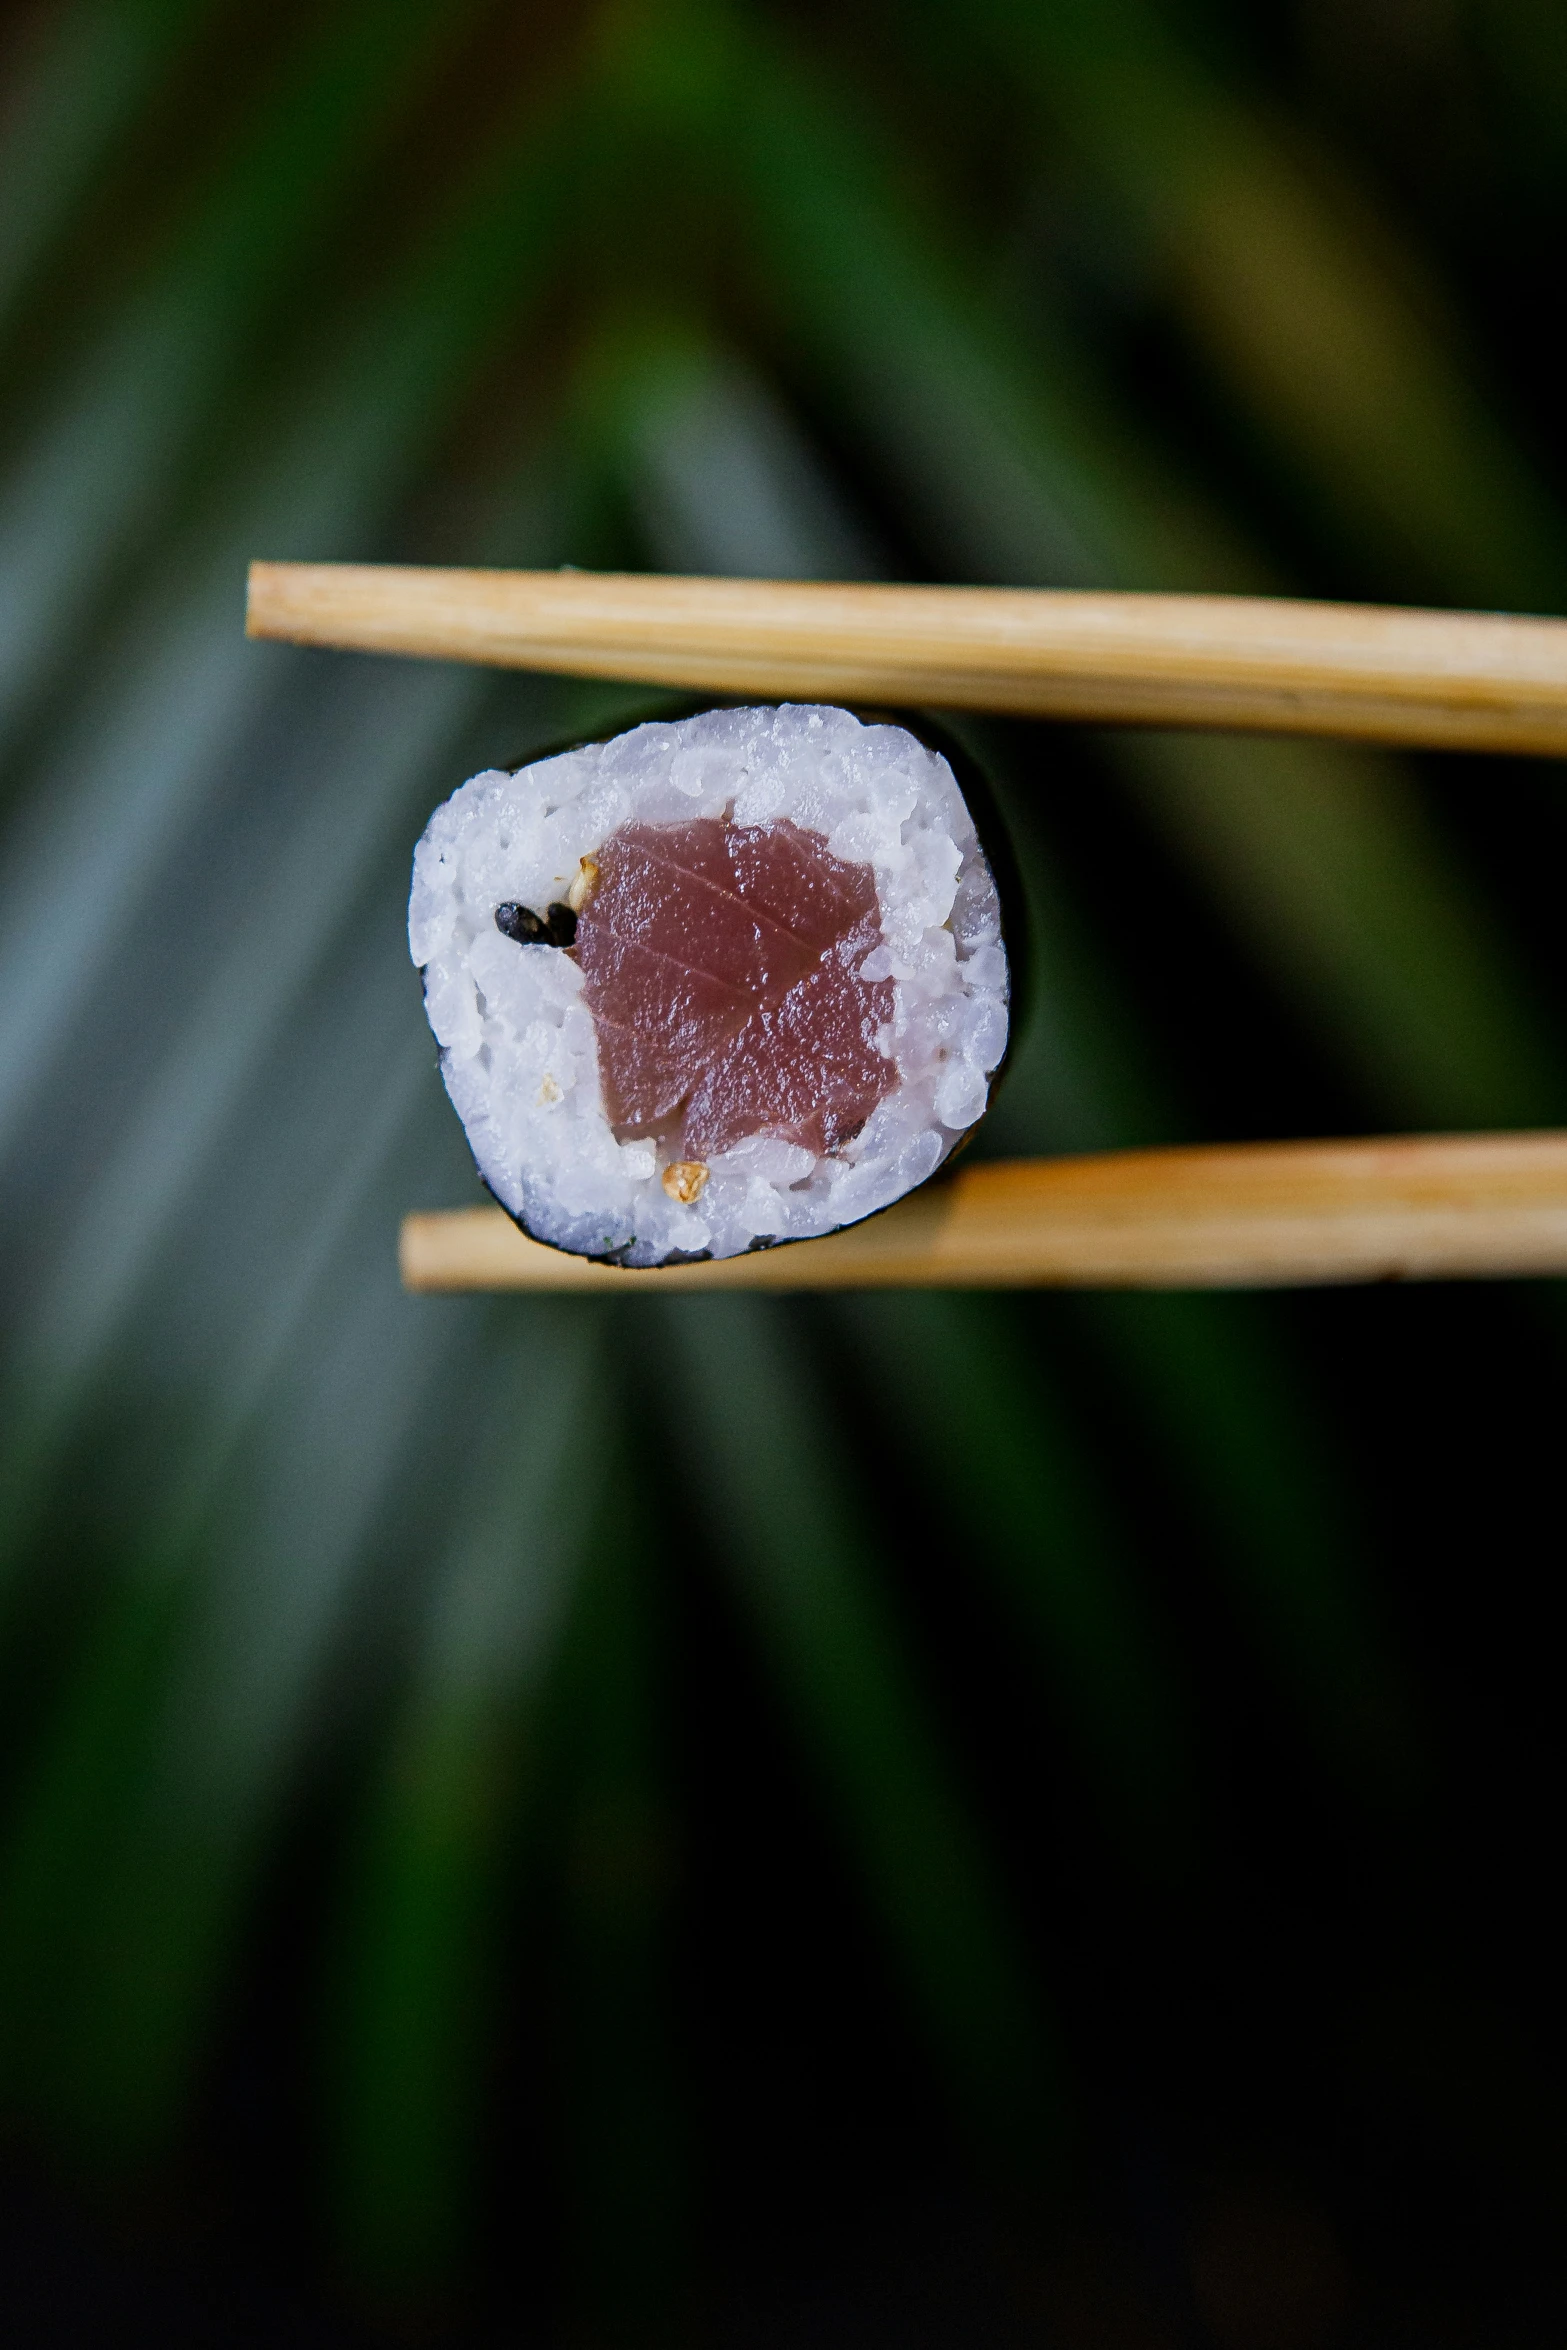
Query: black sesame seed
[(522, 924), (557, 928)]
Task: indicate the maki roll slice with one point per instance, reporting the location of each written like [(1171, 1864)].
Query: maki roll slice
[(720, 982)]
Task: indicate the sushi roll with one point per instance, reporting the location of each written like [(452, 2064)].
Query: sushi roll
[(721, 982)]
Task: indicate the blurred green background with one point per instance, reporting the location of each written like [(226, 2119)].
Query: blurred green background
[(931, 1819)]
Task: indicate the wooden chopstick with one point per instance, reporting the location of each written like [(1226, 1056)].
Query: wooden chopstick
[(1454, 680), (1252, 1216)]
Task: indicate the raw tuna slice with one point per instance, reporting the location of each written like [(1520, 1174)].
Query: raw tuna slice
[(722, 969)]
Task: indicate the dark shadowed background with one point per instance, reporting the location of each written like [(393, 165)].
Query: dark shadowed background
[(932, 1820)]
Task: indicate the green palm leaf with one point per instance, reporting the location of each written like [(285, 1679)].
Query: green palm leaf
[(796, 1534)]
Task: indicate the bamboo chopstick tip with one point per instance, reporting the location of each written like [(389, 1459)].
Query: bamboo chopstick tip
[(273, 593), (412, 1259), (256, 582)]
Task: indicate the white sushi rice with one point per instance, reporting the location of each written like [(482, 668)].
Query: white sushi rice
[(518, 1051)]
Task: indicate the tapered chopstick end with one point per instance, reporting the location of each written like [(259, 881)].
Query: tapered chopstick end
[(261, 600)]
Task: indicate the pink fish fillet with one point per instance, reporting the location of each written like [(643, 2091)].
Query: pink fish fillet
[(723, 974)]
